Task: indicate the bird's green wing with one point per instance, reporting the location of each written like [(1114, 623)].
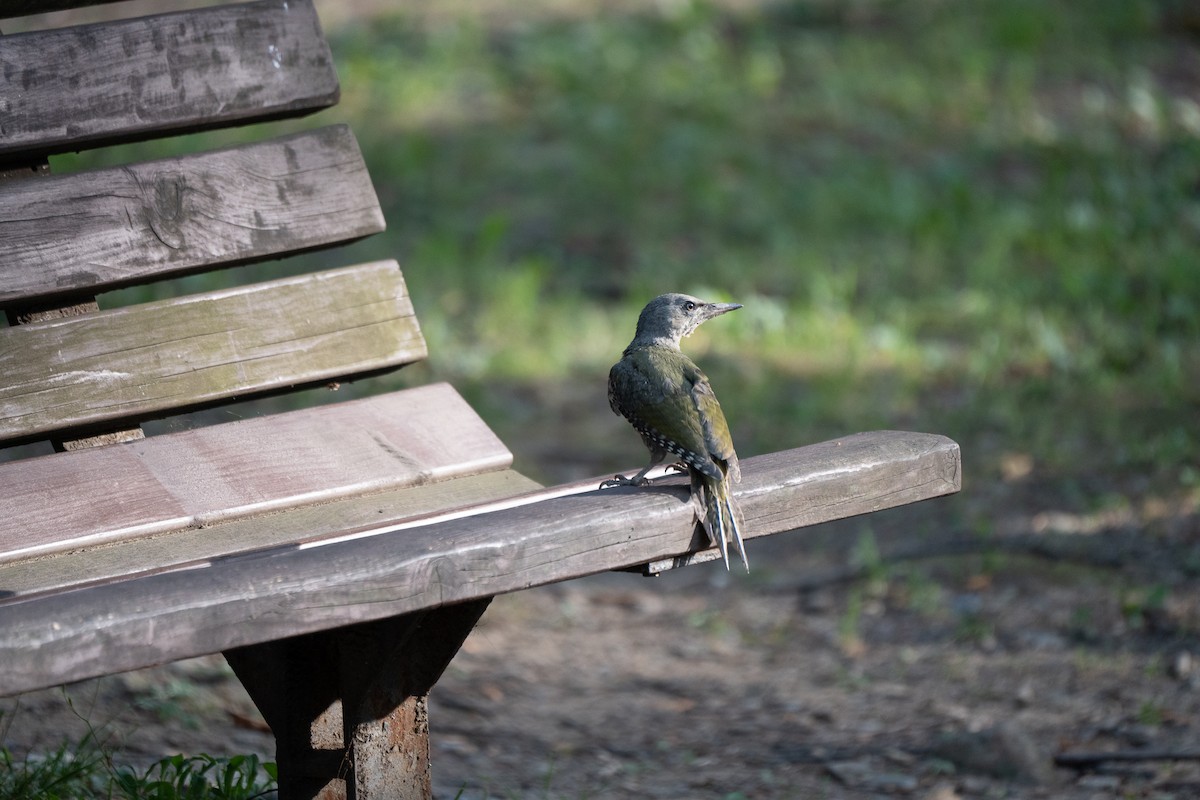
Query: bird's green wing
[(652, 388), (715, 429)]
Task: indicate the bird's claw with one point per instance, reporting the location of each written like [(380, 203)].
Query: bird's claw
[(621, 480)]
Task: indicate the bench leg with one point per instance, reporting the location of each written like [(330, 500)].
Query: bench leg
[(348, 706)]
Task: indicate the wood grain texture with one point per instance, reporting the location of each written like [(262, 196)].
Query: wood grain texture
[(72, 88), (199, 545), (135, 363), (129, 624), (93, 231), (200, 477)]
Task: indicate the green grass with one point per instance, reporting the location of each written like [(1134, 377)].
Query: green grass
[(89, 768), (67, 772), (201, 777), (981, 221), (84, 770), (976, 220)]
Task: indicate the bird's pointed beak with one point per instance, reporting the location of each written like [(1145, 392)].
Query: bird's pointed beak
[(717, 309)]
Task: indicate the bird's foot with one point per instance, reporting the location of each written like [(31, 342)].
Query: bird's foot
[(621, 480), (679, 466)]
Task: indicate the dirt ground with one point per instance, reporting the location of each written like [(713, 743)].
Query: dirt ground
[(947, 677)]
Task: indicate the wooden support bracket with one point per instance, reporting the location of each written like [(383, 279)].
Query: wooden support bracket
[(348, 706)]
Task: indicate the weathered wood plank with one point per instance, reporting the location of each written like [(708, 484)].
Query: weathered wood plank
[(92, 231), (133, 363), (200, 545), (198, 478), (90, 85), (118, 626)]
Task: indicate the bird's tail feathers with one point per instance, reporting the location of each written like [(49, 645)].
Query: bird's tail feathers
[(722, 519)]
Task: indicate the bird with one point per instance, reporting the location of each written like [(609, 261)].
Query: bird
[(669, 401)]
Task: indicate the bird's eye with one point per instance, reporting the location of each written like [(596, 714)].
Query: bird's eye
[(689, 306)]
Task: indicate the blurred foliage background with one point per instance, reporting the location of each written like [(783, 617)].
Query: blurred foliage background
[(979, 219)]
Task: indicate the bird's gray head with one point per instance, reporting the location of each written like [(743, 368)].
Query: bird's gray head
[(670, 317)]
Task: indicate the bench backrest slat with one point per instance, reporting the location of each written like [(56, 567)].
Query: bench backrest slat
[(86, 86), (92, 231), (134, 363)]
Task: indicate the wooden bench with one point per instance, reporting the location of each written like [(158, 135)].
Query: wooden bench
[(338, 555)]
